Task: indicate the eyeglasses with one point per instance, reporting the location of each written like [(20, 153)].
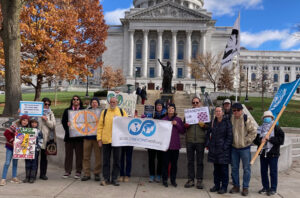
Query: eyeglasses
[(47, 104), (75, 99), (195, 102), (236, 110)]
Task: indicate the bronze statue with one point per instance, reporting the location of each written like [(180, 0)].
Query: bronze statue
[(167, 78)]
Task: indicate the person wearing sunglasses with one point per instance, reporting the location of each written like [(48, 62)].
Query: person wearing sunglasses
[(48, 129), (195, 144), (244, 132), (72, 143)]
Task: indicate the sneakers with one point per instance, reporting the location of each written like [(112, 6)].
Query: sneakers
[(3, 182), (189, 183), (115, 183), (15, 180), (126, 179), (245, 192), (43, 177), (77, 175), (234, 189), (271, 192), (66, 175), (199, 184), (222, 191), (151, 178), (158, 178), (263, 191), (85, 178)]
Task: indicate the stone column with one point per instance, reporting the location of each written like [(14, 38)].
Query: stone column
[(131, 53), (159, 52), (188, 53), (174, 52), (293, 73), (145, 54), (202, 47)]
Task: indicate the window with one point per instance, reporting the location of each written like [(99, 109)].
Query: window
[(298, 90), (180, 54), (253, 77), (275, 78), (152, 49), (195, 46), (152, 72), (138, 53), (274, 68), (179, 72), (167, 49), (60, 83), (138, 72), (286, 78), (275, 89)]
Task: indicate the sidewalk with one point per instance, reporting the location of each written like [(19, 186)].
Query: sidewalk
[(56, 187)]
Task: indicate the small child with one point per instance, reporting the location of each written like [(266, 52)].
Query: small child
[(31, 164), (9, 145)]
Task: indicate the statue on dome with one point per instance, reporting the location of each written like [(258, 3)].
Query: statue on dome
[(167, 77)]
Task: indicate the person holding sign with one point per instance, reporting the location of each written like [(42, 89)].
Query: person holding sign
[(270, 153), (9, 145), (244, 132), (218, 141), (195, 143), (172, 154)]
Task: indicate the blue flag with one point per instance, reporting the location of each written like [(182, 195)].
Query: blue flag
[(283, 96)]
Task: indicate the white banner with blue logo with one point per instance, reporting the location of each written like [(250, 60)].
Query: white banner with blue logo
[(283, 96), (145, 133)]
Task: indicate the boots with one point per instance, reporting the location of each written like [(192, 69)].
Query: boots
[(27, 172), (32, 176)]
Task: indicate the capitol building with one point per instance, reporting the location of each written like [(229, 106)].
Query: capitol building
[(177, 31)]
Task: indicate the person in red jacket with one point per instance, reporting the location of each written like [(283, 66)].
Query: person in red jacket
[(9, 145)]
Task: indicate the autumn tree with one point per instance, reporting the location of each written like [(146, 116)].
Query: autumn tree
[(209, 66), (11, 42), (112, 78), (225, 81), (195, 73)]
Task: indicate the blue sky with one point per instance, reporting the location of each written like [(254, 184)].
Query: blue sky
[(265, 24)]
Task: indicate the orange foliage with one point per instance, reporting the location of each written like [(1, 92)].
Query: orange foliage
[(112, 78)]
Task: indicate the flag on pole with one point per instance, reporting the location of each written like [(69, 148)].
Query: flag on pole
[(233, 44), (283, 96)]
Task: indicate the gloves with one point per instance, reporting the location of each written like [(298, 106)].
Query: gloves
[(201, 124), (186, 125)]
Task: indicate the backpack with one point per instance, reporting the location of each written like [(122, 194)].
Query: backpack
[(105, 111), (245, 119)]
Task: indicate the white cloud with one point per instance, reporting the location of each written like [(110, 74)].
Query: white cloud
[(291, 41), (227, 7), (113, 17)]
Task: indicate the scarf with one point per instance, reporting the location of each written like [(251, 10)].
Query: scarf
[(46, 111), (262, 131)]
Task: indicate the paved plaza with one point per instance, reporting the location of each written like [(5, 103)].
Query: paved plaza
[(289, 182)]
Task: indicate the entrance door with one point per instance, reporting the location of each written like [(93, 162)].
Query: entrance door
[(151, 86), (179, 87)]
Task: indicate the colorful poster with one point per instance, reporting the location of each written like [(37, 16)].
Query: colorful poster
[(125, 101), (24, 144), (196, 115), (31, 108), (145, 133), (84, 122)]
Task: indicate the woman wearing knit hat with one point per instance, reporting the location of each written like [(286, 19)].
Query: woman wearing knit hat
[(9, 145)]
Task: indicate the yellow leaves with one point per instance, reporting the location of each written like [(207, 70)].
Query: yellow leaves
[(112, 78)]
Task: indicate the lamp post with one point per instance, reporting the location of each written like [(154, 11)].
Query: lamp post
[(135, 78), (195, 86), (87, 86), (246, 98)]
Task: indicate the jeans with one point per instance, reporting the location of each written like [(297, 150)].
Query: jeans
[(126, 153), (237, 155), (170, 157), (107, 150), (271, 162), (221, 177), (152, 155), (191, 149), (9, 155)]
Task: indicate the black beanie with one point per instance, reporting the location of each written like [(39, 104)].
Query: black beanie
[(172, 105)]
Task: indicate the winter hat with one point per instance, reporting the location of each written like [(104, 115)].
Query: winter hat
[(159, 101), (24, 117), (172, 105), (237, 106), (268, 114), (227, 101), (97, 99)]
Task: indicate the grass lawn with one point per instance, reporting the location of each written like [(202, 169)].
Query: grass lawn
[(290, 117)]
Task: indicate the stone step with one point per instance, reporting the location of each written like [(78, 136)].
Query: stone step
[(296, 151), (295, 140), (296, 157), (295, 145)]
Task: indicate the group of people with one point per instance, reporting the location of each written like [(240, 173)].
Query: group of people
[(228, 138), (45, 132)]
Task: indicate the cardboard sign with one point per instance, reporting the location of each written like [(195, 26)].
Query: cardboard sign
[(196, 115), (25, 142), (125, 101), (31, 108)]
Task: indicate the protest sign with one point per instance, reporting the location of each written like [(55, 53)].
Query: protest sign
[(148, 111), (24, 144), (84, 122), (196, 115), (125, 101), (145, 133), (31, 108)]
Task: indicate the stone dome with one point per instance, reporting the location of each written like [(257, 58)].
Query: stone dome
[(192, 4)]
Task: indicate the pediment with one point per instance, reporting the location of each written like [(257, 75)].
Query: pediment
[(168, 10)]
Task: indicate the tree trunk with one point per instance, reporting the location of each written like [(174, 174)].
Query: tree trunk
[(10, 34), (38, 88)]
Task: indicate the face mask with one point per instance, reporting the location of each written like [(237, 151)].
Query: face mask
[(267, 120)]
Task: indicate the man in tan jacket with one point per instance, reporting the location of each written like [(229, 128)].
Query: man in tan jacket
[(244, 132)]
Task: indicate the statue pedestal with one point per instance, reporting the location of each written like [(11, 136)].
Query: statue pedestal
[(167, 98)]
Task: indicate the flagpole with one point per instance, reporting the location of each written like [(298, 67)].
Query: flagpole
[(267, 136)]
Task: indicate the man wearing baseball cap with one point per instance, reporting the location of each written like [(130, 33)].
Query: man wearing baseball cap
[(227, 108)]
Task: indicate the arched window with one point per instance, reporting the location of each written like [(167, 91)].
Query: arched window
[(195, 45), (138, 48), (298, 76), (275, 78), (167, 49), (286, 78), (180, 52), (152, 49), (253, 77)]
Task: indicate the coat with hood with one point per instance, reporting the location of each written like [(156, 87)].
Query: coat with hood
[(159, 115), (48, 127)]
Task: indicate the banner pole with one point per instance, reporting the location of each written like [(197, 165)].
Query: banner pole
[(268, 134)]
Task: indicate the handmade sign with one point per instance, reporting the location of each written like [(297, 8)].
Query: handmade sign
[(196, 115), (84, 122), (148, 111), (145, 133), (31, 108), (24, 144), (125, 101)]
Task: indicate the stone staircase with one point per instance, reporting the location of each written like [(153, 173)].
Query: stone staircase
[(296, 148)]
